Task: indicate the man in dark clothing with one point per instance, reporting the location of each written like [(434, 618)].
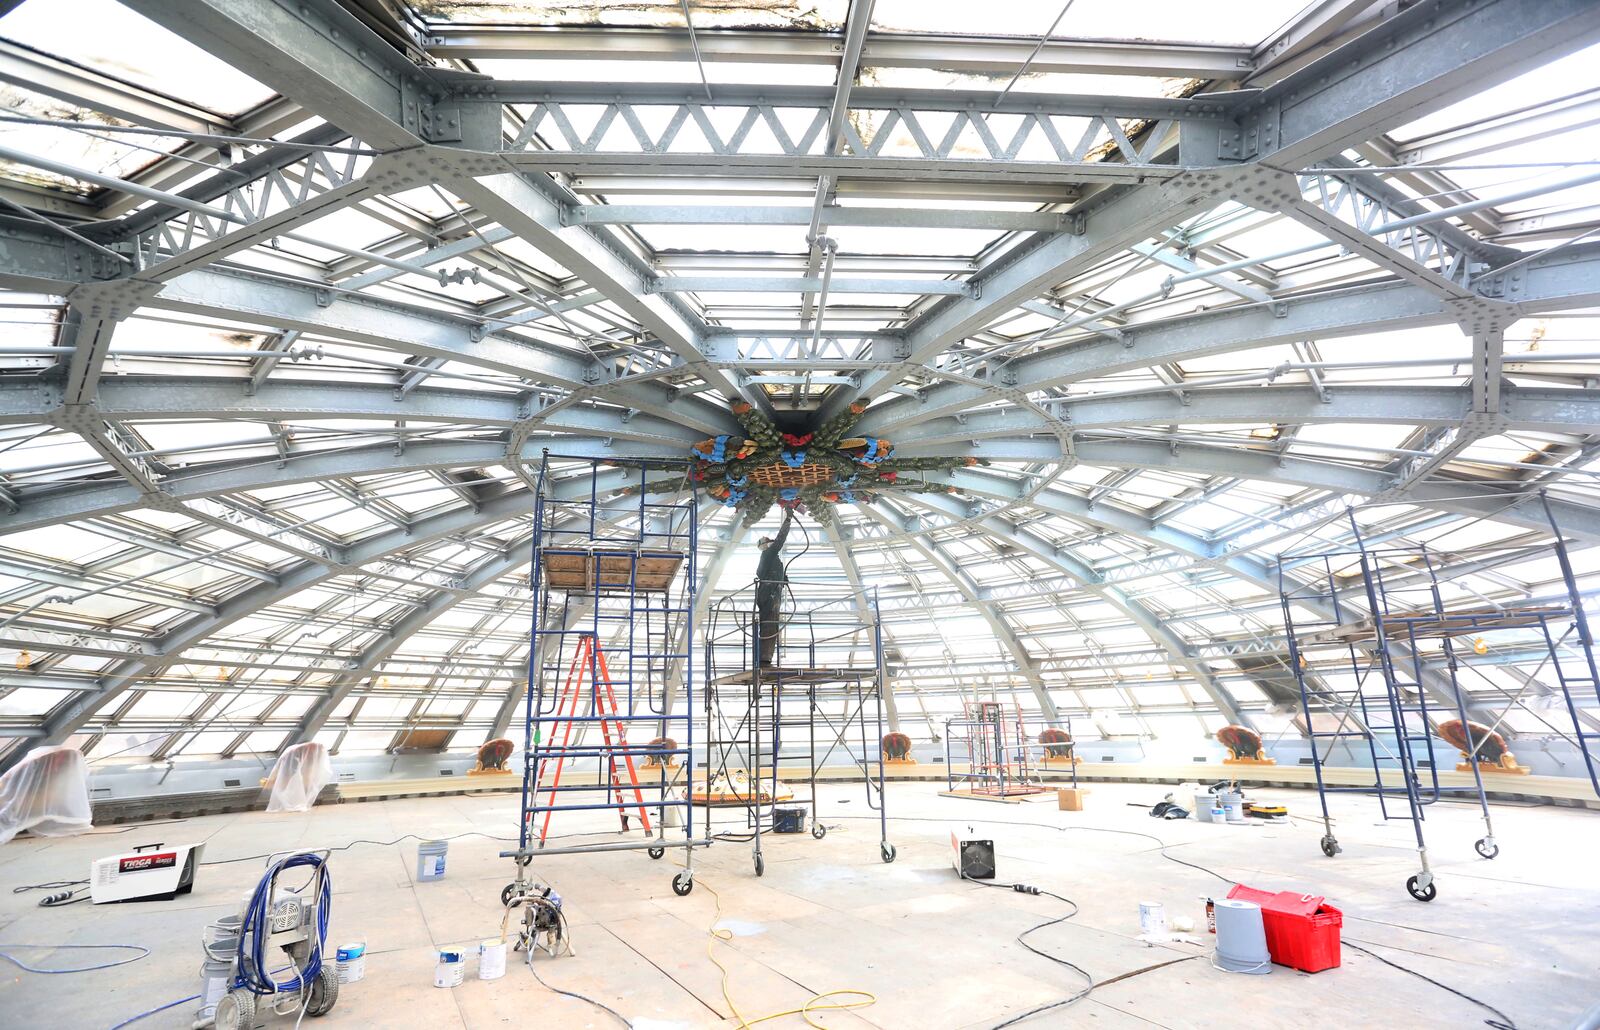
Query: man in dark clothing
[(771, 578)]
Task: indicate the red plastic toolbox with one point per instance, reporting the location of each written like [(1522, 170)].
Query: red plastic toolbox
[(1302, 930)]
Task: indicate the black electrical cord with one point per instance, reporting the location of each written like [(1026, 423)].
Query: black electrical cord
[(72, 893), (1022, 939), (405, 837), (1502, 1022), (581, 997)]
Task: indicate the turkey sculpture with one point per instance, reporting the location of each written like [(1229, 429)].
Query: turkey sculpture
[(1493, 755), (1244, 746)]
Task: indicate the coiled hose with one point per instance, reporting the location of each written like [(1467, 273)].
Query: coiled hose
[(257, 927)]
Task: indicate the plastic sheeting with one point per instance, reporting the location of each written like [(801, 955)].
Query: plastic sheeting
[(47, 793), (301, 773)]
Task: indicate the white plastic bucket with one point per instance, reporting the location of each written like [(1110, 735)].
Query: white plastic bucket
[(1232, 806), (1241, 937), (1152, 917), (430, 859), (1203, 802), (217, 975), (491, 959), (450, 971), (221, 938), (351, 961)]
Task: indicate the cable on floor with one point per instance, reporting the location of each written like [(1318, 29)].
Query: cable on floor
[(150, 1012), (5, 954), (814, 1004), (1502, 1022), (574, 994), (405, 837), (71, 895), (1022, 939)]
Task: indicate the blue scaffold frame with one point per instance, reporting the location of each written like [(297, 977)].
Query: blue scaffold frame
[(613, 578), (1398, 616)]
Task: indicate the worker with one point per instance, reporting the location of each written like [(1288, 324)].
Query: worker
[(771, 578)]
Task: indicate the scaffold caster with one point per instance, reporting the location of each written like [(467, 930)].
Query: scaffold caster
[(656, 852), (1330, 847), (1487, 848), (1422, 892), (819, 831), (523, 860), (761, 865), (683, 883), (887, 851)]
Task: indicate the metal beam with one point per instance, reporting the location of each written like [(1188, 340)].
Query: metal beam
[(1419, 61), (832, 214), (1568, 279), (858, 587), (1178, 653), (936, 557), (78, 709)]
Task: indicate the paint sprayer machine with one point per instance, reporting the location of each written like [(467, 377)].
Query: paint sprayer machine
[(282, 929)]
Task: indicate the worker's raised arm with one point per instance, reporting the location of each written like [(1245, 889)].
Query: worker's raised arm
[(783, 534)]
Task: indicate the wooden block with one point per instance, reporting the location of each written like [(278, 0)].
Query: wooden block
[(1070, 799)]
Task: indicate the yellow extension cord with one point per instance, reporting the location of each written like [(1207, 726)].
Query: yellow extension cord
[(804, 1011)]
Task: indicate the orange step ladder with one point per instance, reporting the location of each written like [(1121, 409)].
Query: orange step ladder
[(590, 659)]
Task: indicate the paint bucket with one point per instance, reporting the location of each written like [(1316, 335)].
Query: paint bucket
[(491, 958), (1152, 918), (1232, 806), (351, 961), (1204, 802), (221, 939), (1241, 938), (217, 975), (430, 859), (451, 970)]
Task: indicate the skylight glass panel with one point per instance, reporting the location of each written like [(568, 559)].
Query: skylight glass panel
[(824, 15), (1172, 20), (106, 152), (109, 38)]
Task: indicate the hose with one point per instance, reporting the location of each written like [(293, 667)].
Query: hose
[(257, 928)]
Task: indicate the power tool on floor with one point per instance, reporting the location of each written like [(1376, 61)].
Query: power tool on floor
[(150, 872), (281, 929), (544, 925)]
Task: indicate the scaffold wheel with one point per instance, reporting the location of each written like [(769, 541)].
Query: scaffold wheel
[(887, 851), (1487, 848), (1330, 847), (656, 852), (683, 883), (1421, 893), (819, 831), (761, 865)]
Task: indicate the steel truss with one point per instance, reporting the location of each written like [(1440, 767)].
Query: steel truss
[(821, 701), (385, 122), (1401, 620)]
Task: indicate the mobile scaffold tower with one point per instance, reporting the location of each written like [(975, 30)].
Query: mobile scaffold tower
[(770, 730), (1409, 633), (987, 752), (610, 698)]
